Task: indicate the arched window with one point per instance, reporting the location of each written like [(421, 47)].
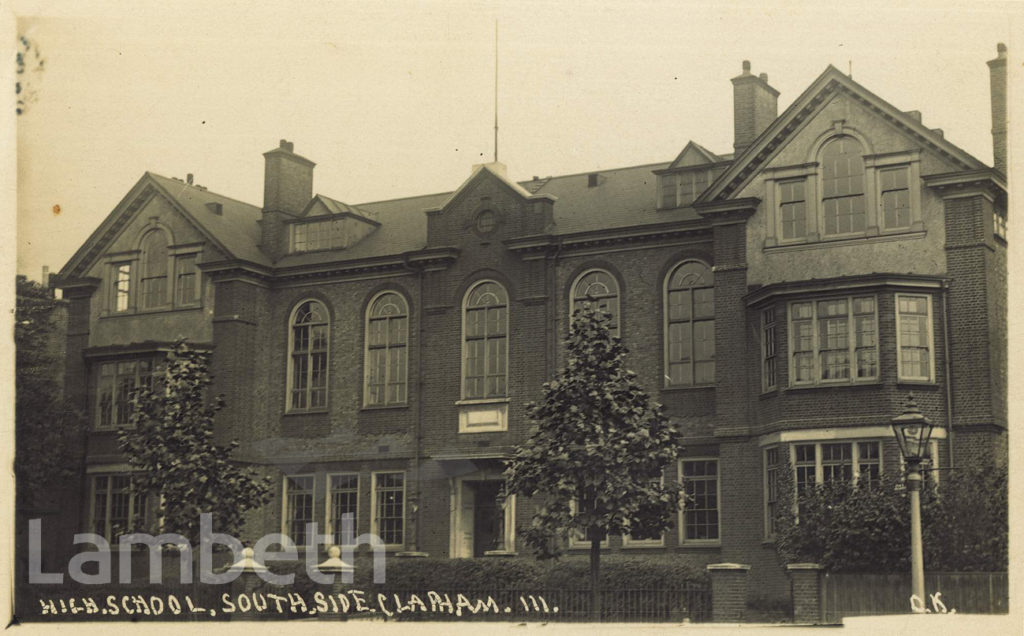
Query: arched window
[(154, 270), (307, 377), (842, 182), (485, 335), (387, 338), (690, 325), (598, 286)]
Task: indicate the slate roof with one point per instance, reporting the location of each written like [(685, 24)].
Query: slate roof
[(624, 197), (621, 197), (236, 227)]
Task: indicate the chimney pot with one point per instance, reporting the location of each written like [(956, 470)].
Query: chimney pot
[(1001, 49), (188, 178), (755, 106), (287, 189)]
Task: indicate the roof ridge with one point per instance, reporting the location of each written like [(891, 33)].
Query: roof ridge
[(601, 171), (208, 191)]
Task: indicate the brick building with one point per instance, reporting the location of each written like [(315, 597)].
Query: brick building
[(780, 300)]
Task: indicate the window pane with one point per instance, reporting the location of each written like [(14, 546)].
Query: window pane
[(915, 337), (299, 509), (700, 513), (390, 507), (690, 332)]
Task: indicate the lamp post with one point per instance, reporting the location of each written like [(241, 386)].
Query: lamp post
[(913, 433)]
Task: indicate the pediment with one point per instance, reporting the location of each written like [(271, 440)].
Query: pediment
[(831, 84), (693, 154)]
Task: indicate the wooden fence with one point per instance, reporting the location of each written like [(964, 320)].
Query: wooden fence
[(874, 594)]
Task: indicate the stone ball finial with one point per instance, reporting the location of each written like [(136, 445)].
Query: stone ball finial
[(248, 553), (334, 552)]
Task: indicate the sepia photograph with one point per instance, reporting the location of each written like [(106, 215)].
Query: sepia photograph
[(560, 316)]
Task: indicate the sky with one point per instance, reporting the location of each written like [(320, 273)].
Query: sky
[(398, 99)]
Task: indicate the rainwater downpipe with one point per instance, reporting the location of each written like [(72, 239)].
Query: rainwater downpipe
[(419, 399), (949, 371)]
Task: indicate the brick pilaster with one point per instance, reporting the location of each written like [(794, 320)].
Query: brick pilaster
[(728, 591), (805, 585)]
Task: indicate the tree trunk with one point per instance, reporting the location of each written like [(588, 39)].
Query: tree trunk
[(595, 582)]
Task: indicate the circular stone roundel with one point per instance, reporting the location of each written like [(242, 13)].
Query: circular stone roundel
[(486, 221)]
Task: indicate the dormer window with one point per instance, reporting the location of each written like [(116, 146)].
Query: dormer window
[(682, 188), (310, 237)]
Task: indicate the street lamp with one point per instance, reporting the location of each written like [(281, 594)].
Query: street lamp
[(913, 433)]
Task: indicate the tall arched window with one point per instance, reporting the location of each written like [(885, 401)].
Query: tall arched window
[(485, 334), (598, 286), (842, 182), (307, 373), (690, 325), (154, 270), (387, 337)]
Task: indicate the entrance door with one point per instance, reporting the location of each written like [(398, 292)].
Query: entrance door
[(488, 518)]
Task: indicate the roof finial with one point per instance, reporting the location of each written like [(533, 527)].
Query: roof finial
[(850, 71)]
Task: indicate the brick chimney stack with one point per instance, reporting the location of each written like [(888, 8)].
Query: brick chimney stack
[(755, 106), (997, 76), (287, 189)]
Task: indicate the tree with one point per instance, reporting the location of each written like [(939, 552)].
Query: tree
[(596, 452), (48, 430), (847, 527), (170, 445)]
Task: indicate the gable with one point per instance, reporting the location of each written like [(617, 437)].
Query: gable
[(694, 154), (187, 217), (822, 93)]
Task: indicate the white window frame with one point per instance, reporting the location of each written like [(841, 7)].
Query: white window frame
[(811, 172), (113, 264), (854, 459), (663, 204), (290, 362), (374, 528), (779, 466), (465, 350), (769, 336), (329, 500), (157, 361), (136, 513), (366, 353), (629, 542), (851, 344), (666, 322), (615, 326), (929, 338), (683, 541), (873, 166), (181, 252), (286, 517), (775, 178)]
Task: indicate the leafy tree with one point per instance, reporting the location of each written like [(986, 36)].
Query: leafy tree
[(848, 527), (48, 430), (596, 452), (966, 527), (170, 444)]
